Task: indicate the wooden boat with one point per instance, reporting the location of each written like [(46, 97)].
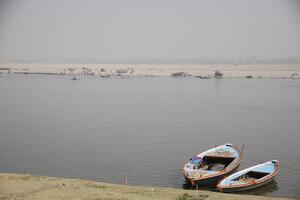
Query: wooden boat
[(250, 178), (209, 167)]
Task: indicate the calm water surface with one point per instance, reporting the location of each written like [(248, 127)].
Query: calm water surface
[(146, 128)]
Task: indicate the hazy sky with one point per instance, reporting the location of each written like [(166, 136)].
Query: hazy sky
[(111, 29)]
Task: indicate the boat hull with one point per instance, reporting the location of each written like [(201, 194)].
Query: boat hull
[(224, 186), (211, 181), (245, 188)]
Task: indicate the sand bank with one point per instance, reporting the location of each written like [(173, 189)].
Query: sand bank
[(267, 71), (17, 186)]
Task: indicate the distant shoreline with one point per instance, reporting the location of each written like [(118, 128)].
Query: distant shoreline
[(25, 186), (107, 70)]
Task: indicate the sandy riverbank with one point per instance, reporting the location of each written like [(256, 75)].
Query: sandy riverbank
[(18, 186), (267, 71)]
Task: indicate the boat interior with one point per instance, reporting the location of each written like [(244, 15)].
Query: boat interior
[(217, 163), (214, 163), (251, 176)]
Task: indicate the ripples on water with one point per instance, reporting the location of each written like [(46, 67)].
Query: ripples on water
[(146, 128)]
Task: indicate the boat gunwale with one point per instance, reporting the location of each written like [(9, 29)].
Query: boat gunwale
[(254, 182), (220, 173)]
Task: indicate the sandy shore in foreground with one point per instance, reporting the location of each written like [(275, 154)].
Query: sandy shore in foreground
[(18, 186), (268, 71)]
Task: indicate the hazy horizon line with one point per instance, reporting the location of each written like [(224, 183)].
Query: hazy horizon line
[(200, 60)]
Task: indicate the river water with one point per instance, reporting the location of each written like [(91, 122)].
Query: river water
[(146, 128)]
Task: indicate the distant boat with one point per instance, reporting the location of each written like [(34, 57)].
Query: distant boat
[(121, 71), (249, 76), (295, 76), (74, 78), (209, 167), (178, 74), (250, 178), (218, 74), (203, 77), (105, 75)]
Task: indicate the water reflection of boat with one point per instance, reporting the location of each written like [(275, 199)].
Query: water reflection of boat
[(209, 167), (250, 178)]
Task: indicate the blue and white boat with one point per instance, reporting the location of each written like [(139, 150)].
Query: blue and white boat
[(250, 178)]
